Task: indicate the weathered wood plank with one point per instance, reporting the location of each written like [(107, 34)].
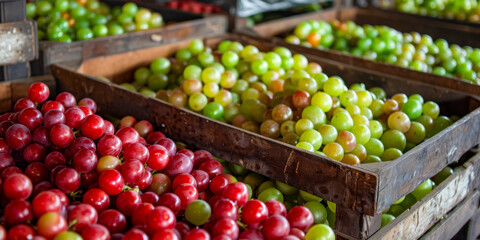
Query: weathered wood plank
[(456, 219), (474, 226), (421, 216), (354, 225)]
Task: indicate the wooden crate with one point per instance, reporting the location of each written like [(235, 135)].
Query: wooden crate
[(361, 192), (179, 25), (463, 35), (389, 5), (457, 192)]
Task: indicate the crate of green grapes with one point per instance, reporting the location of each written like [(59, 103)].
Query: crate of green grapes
[(76, 30), (354, 137), (434, 52), (461, 12)]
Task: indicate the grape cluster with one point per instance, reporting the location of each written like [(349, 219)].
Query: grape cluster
[(385, 44), (467, 10), (69, 20), (288, 98), (68, 174)]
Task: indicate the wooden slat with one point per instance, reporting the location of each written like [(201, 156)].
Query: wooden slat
[(421, 216), (460, 215), (350, 224), (474, 226)]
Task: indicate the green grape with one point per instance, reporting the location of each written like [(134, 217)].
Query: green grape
[(342, 121), (147, 92), (259, 67), (334, 151), (211, 90), (128, 86), (157, 81), (68, 235), (377, 108), (191, 86), (130, 9), (192, 72), (250, 93), (348, 98), (334, 86), (230, 112), (206, 59), (213, 110), (299, 74), (224, 97), (248, 51), (440, 123), (160, 65), (362, 133), (323, 101), (387, 218), (364, 98), (84, 33), (223, 46), (302, 125), (365, 111), (273, 60), (198, 212), (413, 108), (299, 62), (240, 86), (285, 188), (235, 47), (287, 127), (284, 52), (270, 76), (315, 115), (183, 55), (374, 147), (354, 110), (378, 92), (329, 133), (270, 194), (319, 211), (302, 30), (320, 231), (416, 134), (100, 30), (361, 120), (141, 75), (394, 139), (372, 159), (313, 137), (211, 75), (218, 66), (287, 63), (399, 121), (442, 175), (431, 109), (391, 154), (230, 59), (196, 46), (321, 78), (423, 190), (197, 101), (307, 84), (156, 20), (376, 129)]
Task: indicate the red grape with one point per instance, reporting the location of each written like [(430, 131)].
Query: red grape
[(169, 145), (93, 127), (42, 135), (17, 186), (187, 194), (23, 103), (127, 202), (66, 99), (34, 152), (171, 201), (276, 208), (275, 227), (127, 135), (136, 151), (5, 161), (38, 92), (113, 220), (17, 212), (254, 211), (55, 158), (61, 135), (89, 103), (30, 118), (85, 160), (74, 117), (52, 105), (46, 201), (98, 198), (154, 137), (226, 226), (111, 181), (37, 172), (51, 224), (160, 218), (139, 216), (95, 232), (83, 214), (68, 180), (237, 192), (18, 136), (21, 231), (158, 157), (109, 145), (225, 208)]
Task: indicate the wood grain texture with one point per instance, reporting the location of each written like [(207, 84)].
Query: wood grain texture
[(455, 220), (351, 224), (420, 217), (474, 226)]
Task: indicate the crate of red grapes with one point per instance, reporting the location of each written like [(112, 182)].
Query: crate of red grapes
[(257, 100), (75, 30), (394, 43), (69, 173)]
